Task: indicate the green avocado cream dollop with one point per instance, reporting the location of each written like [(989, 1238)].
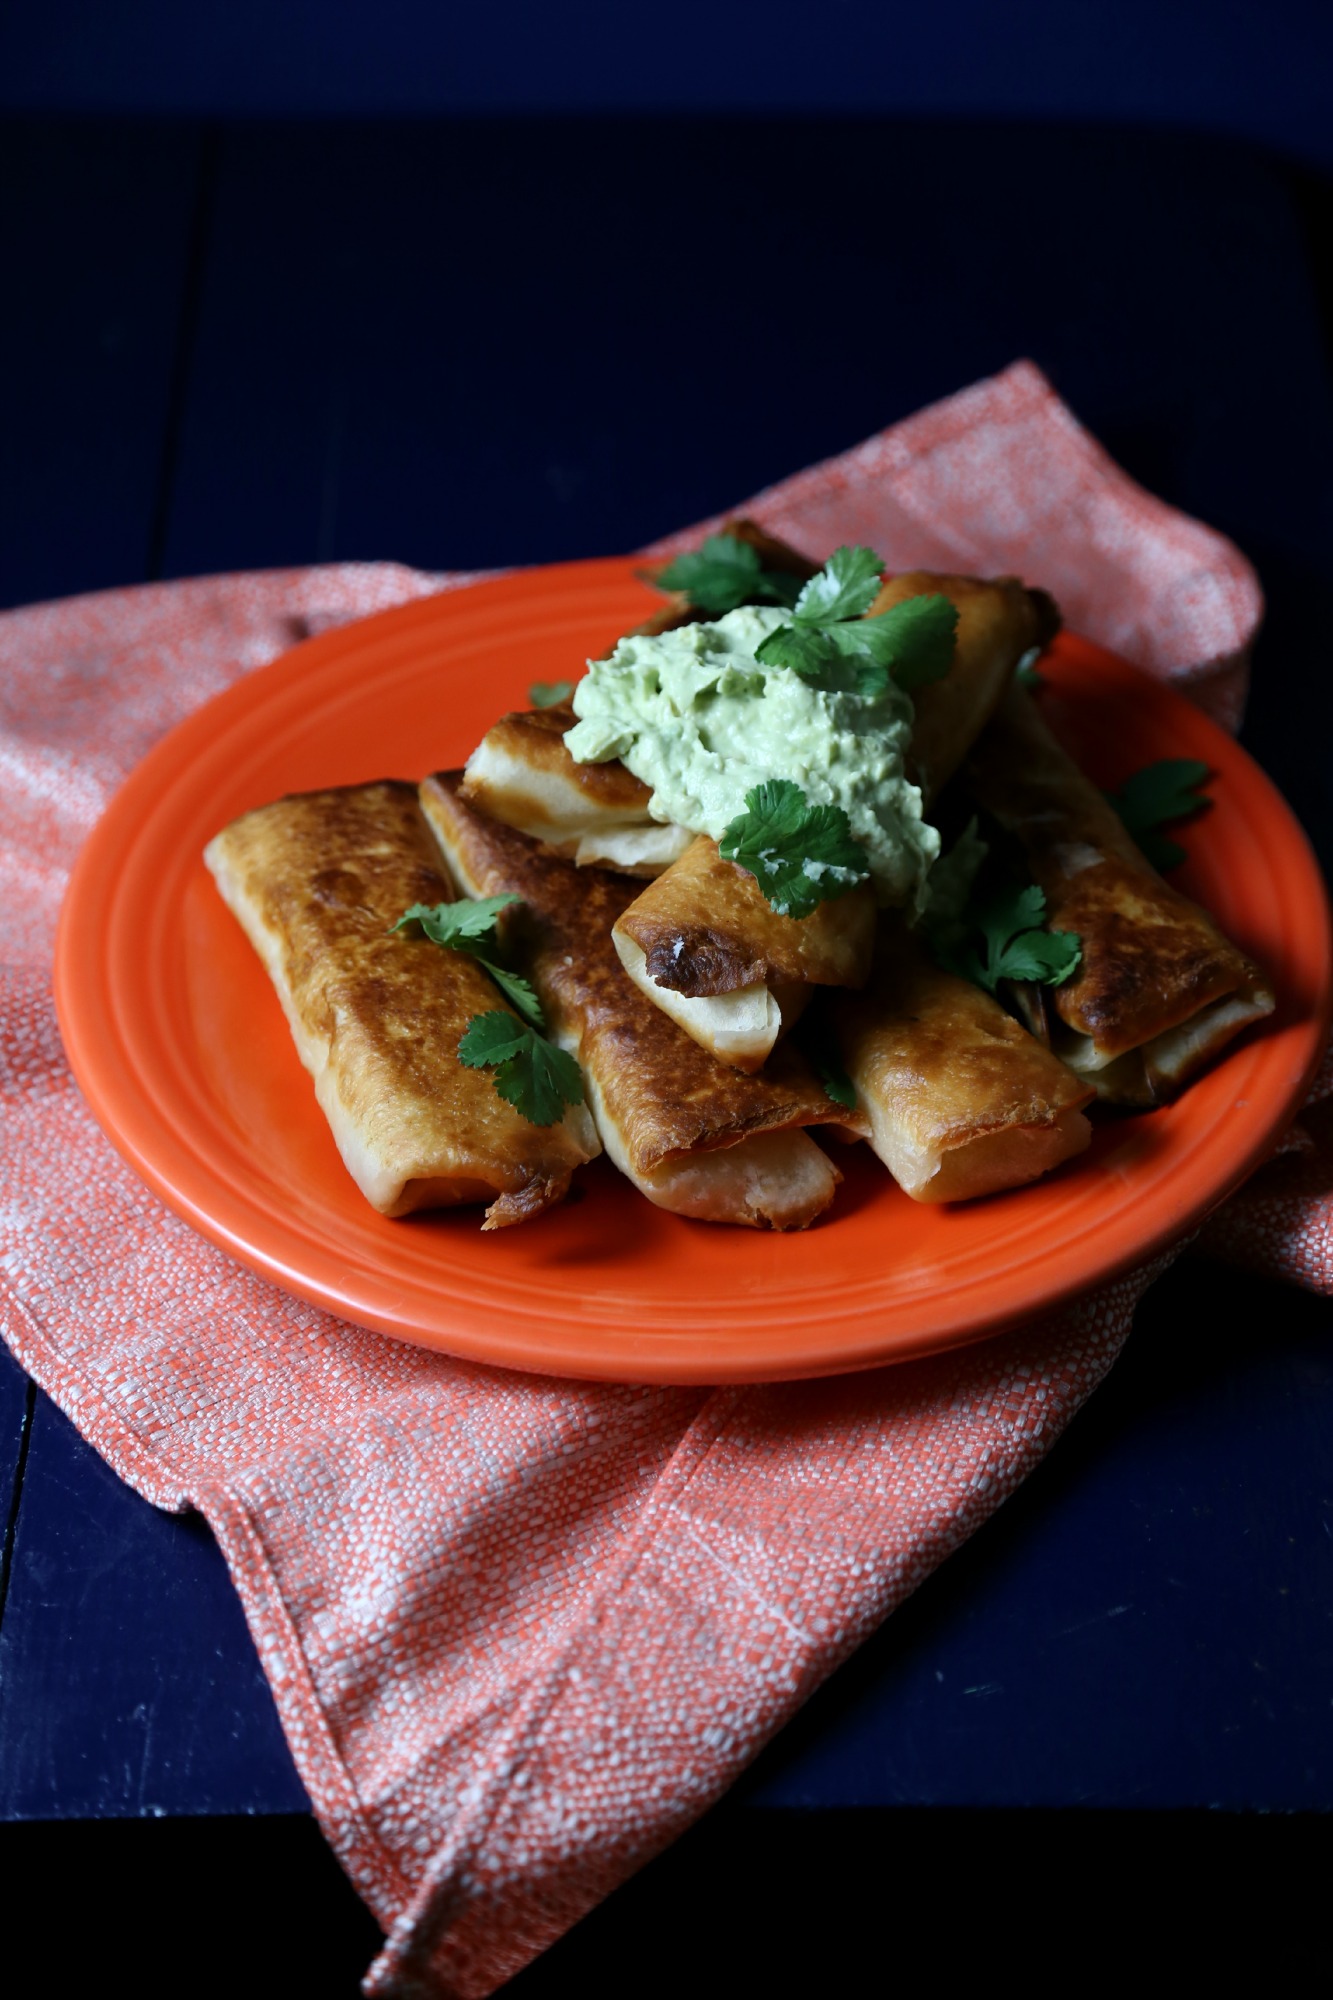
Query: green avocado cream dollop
[(694, 715)]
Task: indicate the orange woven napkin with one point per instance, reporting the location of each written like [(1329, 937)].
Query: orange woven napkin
[(522, 1631)]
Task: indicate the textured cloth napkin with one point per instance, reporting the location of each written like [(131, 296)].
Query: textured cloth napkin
[(521, 1631)]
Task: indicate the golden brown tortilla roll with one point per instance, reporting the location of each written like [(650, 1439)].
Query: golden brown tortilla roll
[(316, 882), (1159, 990), (694, 1136), (521, 774), (703, 944), (961, 1101), (999, 621)]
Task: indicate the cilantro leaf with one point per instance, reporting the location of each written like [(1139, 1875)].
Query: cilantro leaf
[(1160, 795), (469, 926), (1046, 957), (1166, 790), (723, 574), (808, 653), (537, 1078), (540, 1082), (518, 993), (549, 694), (832, 657), (821, 1046), (492, 1038), (912, 642), (915, 638), (846, 587), (1010, 921), (800, 854), (856, 643), (457, 925)]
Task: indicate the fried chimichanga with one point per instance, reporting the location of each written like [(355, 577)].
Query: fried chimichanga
[(1159, 990), (694, 1137), (317, 882), (706, 948), (521, 774), (1000, 622), (961, 1101), (738, 994)]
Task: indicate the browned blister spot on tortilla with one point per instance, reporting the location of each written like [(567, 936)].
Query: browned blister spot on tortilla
[(691, 959)]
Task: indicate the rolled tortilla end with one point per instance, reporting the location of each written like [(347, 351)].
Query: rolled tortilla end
[(521, 771), (772, 1180), (738, 1028), (960, 1100), (990, 1162), (704, 945), (645, 850), (706, 927), (1158, 1069)]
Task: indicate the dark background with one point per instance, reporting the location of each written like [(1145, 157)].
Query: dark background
[(467, 288)]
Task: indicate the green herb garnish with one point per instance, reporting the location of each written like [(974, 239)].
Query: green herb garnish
[(532, 1074), (800, 854), (1161, 794), (912, 642), (549, 694), (1016, 945), (820, 1044), (470, 927), (846, 587), (724, 573)]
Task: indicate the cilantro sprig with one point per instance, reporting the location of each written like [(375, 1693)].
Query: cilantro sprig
[(1001, 934), (820, 1044), (1162, 794), (800, 854), (1015, 944), (912, 642), (724, 573), (533, 1075), (470, 927), (549, 694)]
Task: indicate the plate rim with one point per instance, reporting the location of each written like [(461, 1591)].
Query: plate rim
[(84, 920)]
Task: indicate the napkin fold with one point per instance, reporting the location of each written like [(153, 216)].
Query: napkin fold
[(521, 1631)]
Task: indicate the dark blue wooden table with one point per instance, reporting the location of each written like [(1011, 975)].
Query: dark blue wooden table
[(501, 342)]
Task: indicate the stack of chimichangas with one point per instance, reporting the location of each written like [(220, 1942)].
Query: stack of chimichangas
[(712, 1031)]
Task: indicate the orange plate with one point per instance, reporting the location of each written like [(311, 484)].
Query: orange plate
[(178, 1041)]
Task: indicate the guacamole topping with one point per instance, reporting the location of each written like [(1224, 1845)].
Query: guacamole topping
[(693, 714)]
